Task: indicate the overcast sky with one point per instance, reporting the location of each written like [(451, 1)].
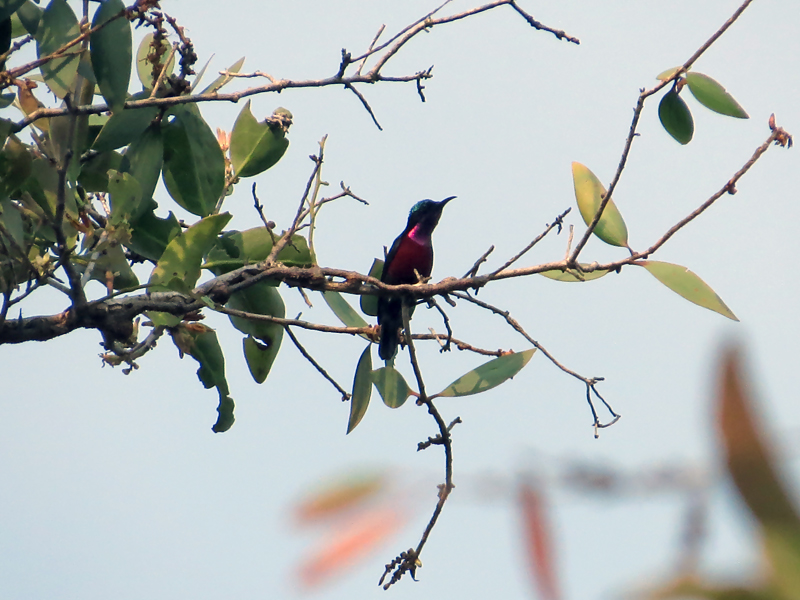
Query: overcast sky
[(114, 486)]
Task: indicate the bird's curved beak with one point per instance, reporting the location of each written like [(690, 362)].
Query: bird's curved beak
[(446, 200)]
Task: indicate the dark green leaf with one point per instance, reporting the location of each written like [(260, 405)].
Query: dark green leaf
[(222, 79), (6, 100), (362, 389), (589, 193), (342, 309), (109, 261), (151, 234), (94, 171), (5, 37), (143, 160), (259, 358), (12, 221), (58, 27), (675, 117), (8, 7), (111, 50), (15, 166), (126, 195), (236, 249), (369, 304), (206, 350), (712, 95), (391, 386), (194, 166), (488, 375), (150, 59), (30, 16), (124, 127), (685, 283), (255, 147)]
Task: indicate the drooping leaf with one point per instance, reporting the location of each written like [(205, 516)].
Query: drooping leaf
[(712, 95), (58, 27), (369, 304), (150, 60), (754, 470), (263, 341), (111, 50), (675, 117), (362, 389), (685, 283), (236, 249), (143, 160), (255, 147), (183, 255), (342, 309), (126, 194), (589, 193), (488, 375), (391, 386), (573, 275), (206, 350), (194, 166), (151, 234), (222, 79), (664, 75)]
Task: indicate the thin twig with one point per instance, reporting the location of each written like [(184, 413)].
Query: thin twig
[(315, 364)]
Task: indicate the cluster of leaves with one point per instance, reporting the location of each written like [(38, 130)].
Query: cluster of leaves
[(48, 186)]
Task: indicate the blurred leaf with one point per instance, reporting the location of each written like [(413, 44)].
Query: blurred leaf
[(147, 71), (183, 255), (753, 469), (713, 96), (676, 117), (391, 386), (7, 7), (685, 283), (5, 38), (124, 127), (255, 147), (58, 27), (144, 159), (15, 166), (538, 542), (222, 79), (369, 304), (206, 350), (111, 261), (362, 389), (236, 249), (94, 171), (126, 194), (194, 166), (342, 309), (573, 275), (151, 234), (12, 221), (589, 193), (665, 75), (30, 16), (111, 50), (488, 375), (339, 497), (6, 100)]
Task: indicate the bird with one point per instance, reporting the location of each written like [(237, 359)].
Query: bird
[(411, 253)]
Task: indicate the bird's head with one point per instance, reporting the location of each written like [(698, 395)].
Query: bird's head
[(426, 213)]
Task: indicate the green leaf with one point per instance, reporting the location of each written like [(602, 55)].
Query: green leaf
[(755, 471), (685, 283), (206, 350), (573, 275), (5, 37), (110, 261), (391, 386), (126, 195), (15, 166), (150, 59), (713, 96), (369, 304), (151, 234), (144, 160), (58, 27), (236, 249), (29, 16), (183, 255), (488, 375), (94, 171), (255, 147), (124, 127), (362, 389), (222, 79), (665, 75), (12, 221), (589, 193), (8, 7), (111, 50), (6, 100), (675, 117), (342, 309), (194, 166), (264, 339)]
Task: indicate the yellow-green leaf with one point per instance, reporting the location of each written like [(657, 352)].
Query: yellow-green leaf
[(255, 147), (685, 283), (589, 193), (675, 117), (369, 304), (488, 375), (713, 96), (362, 389), (222, 79), (150, 59), (342, 309), (236, 249), (573, 275), (664, 75), (391, 386)]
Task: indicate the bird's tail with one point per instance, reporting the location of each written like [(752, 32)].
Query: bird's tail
[(390, 317)]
